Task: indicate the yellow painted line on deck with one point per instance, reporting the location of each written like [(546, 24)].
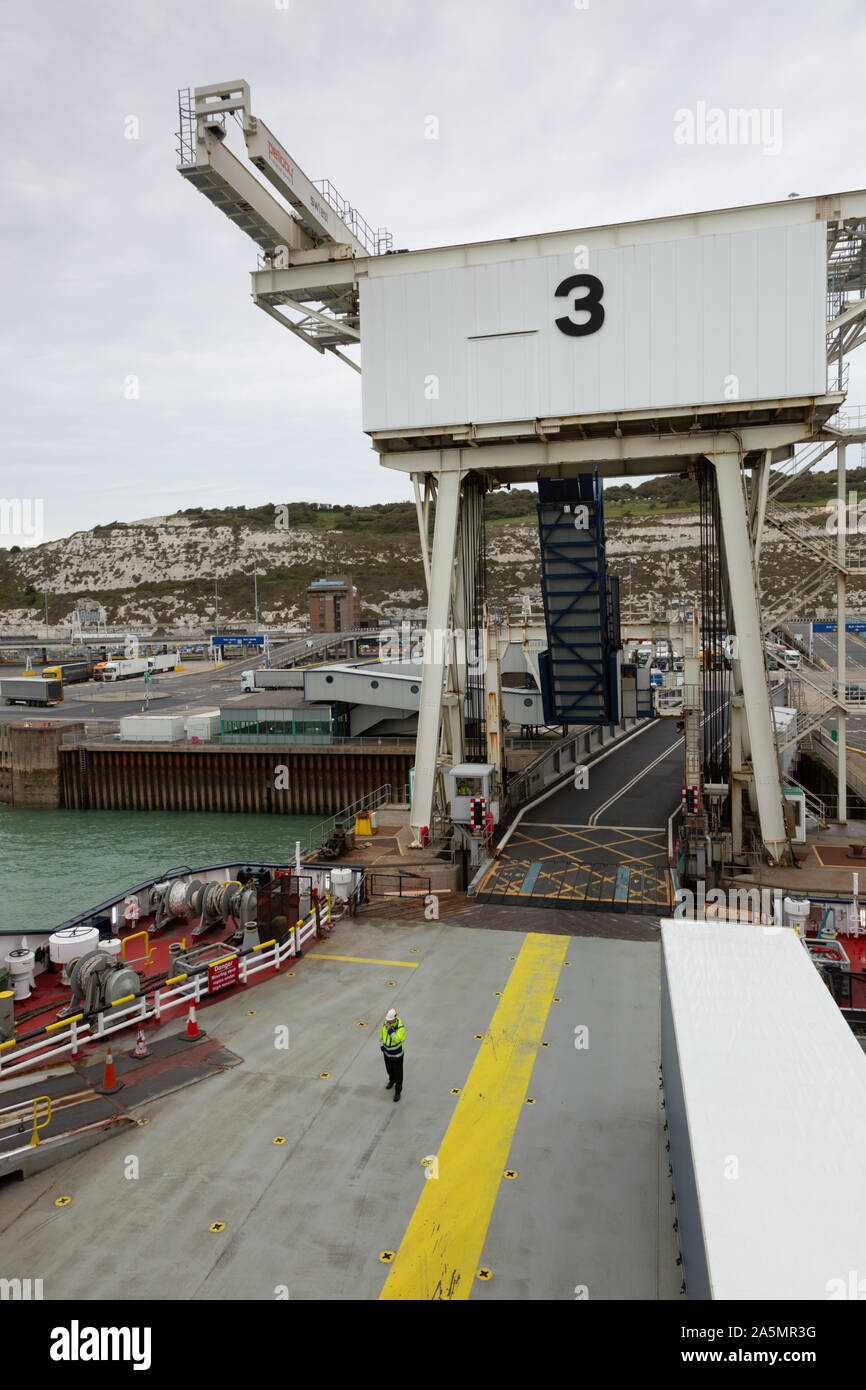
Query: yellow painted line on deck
[(362, 960), (441, 1250), (491, 872)]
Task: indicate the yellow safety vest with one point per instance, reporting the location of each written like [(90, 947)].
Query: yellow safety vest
[(392, 1036)]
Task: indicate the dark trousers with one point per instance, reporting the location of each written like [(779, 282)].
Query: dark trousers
[(395, 1071)]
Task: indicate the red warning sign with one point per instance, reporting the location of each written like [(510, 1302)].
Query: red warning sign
[(222, 974)]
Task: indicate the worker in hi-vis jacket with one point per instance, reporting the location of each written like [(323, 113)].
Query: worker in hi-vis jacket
[(392, 1036)]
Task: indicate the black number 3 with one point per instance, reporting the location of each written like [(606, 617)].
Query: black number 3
[(589, 303)]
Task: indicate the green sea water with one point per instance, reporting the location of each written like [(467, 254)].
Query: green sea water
[(55, 864)]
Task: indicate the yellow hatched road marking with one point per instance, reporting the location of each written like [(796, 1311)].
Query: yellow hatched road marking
[(441, 1250), (362, 960)]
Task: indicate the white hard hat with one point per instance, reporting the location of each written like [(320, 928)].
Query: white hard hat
[(392, 1013)]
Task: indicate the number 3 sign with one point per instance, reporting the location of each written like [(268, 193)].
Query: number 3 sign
[(589, 303)]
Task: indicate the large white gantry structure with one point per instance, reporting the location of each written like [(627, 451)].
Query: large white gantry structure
[(647, 347)]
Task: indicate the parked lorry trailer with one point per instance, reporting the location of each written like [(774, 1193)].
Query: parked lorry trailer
[(272, 680), (30, 690), (163, 661), (765, 1111)]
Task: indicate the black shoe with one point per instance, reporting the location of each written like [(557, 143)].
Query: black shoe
[(390, 1084), (396, 1095)]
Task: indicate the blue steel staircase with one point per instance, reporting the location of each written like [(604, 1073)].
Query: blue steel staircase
[(575, 670)]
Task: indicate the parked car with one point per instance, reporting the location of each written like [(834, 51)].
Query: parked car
[(854, 694)]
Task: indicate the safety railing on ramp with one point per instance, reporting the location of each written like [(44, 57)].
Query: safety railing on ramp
[(555, 763)]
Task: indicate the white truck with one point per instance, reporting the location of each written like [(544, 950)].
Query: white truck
[(124, 668), (777, 653), (164, 661), (271, 680)]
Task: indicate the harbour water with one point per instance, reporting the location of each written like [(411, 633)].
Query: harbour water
[(54, 864)]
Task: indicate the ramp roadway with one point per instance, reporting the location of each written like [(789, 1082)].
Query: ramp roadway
[(602, 844)]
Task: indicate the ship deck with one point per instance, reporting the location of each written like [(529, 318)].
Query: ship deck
[(531, 1078)]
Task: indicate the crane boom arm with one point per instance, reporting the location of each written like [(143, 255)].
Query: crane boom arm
[(231, 187), (316, 216)]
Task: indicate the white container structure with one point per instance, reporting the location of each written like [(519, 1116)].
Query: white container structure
[(205, 726), (796, 799), (765, 1094), (785, 723), (152, 728)]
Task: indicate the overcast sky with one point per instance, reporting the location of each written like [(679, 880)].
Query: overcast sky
[(551, 116)]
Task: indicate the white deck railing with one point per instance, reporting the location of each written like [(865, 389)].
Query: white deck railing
[(68, 1036)]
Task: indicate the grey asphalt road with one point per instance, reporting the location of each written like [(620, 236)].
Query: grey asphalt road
[(825, 646), (200, 687)]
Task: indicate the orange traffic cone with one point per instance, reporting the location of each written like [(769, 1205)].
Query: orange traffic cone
[(110, 1084), (193, 1032), (141, 1049)]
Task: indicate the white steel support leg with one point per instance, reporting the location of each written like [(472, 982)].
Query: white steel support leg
[(436, 656), (493, 698), (452, 726), (760, 486), (743, 580), (422, 509), (457, 676), (736, 776), (841, 640)]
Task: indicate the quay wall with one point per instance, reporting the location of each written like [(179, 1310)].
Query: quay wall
[(29, 763), (268, 779)]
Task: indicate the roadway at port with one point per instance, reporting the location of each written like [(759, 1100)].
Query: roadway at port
[(825, 647), (177, 693), (602, 844)]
